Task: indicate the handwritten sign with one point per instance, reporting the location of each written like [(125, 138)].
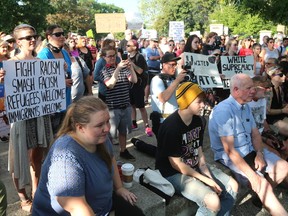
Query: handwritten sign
[(110, 22), (204, 68), (176, 30), (232, 65), (34, 88), (4, 124)]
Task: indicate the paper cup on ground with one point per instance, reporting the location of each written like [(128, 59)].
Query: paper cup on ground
[(127, 174)]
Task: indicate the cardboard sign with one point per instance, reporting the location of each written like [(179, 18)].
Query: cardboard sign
[(232, 65), (110, 22), (204, 68), (34, 88), (176, 30)]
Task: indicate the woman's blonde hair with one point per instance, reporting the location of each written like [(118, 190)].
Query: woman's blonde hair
[(80, 113)]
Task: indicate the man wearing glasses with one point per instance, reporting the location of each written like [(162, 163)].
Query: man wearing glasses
[(236, 143), (163, 87)]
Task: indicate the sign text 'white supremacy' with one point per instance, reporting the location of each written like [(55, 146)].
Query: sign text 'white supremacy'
[(232, 65), (34, 88)]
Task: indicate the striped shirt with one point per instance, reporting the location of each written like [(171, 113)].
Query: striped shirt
[(118, 96)]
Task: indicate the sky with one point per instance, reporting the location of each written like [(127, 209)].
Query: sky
[(128, 5)]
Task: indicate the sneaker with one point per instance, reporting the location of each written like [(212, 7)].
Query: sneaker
[(148, 132), (134, 127), (126, 155)]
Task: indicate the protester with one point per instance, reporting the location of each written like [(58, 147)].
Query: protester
[(122, 46), (283, 48), (4, 54), (258, 61), (91, 46), (53, 50), (80, 169), (73, 51), (137, 90), (117, 78), (269, 51), (210, 44), (171, 48), (181, 160), (246, 47), (30, 138), (153, 55), (163, 86), (231, 48), (258, 107), (181, 46), (100, 64), (277, 110), (236, 143)]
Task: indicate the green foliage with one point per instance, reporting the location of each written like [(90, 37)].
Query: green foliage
[(273, 10), (194, 13), (239, 21)]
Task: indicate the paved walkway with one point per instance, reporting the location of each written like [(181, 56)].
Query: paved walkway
[(245, 208)]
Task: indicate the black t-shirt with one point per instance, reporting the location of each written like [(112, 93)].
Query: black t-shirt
[(140, 61), (87, 57), (208, 49), (176, 139)]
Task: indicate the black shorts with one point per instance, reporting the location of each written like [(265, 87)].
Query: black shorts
[(137, 96)]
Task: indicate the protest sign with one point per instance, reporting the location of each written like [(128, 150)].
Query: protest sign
[(204, 68), (34, 88), (148, 33), (110, 22), (176, 30), (232, 65)]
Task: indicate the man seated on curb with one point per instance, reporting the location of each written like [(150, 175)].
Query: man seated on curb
[(181, 161), (163, 88), (258, 105), (236, 143)]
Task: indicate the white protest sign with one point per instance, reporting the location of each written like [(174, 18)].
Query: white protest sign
[(204, 68), (176, 30), (148, 33), (34, 88), (232, 65)]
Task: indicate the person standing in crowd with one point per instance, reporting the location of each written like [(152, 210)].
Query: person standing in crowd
[(73, 51), (258, 61), (29, 138), (265, 41), (164, 44), (53, 50), (100, 64), (236, 143), (181, 160), (181, 47), (86, 55), (4, 54), (191, 46), (153, 56), (91, 46), (283, 48), (163, 86), (122, 46), (171, 48), (80, 170), (246, 47), (269, 51), (11, 45), (144, 44), (210, 44), (137, 90), (231, 48), (117, 78)]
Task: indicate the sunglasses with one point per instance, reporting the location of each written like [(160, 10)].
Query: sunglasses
[(29, 37), (171, 44), (111, 56), (279, 74), (58, 34), (216, 54), (129, 45)]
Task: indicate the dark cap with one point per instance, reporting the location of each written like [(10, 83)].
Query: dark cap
[(169, 57)]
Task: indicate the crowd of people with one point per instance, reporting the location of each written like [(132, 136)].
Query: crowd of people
[(248, 127)]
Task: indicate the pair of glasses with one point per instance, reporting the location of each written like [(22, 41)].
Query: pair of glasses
[(268, 63), (110, 56), (29, 37), (129, 45), (171, 45), (58, 34), (279, 74), (216, 54), (172, 65)]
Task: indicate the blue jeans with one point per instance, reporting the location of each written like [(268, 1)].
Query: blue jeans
[(195, 190)]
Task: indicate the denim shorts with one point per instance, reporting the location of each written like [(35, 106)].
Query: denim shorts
[(120, 120)]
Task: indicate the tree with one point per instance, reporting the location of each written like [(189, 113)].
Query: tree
[(238, 21), (270, 10), (194, 13)]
